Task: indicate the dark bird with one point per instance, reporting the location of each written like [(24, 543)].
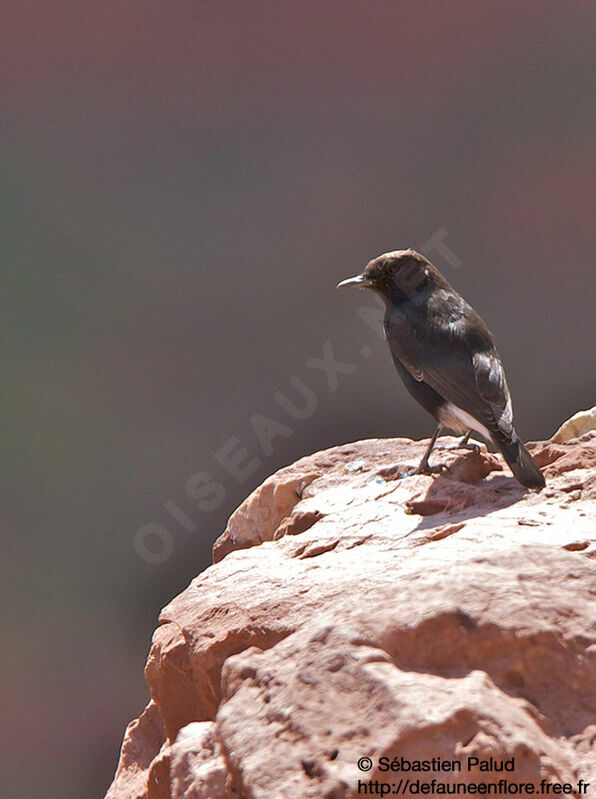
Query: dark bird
[(446, 356)]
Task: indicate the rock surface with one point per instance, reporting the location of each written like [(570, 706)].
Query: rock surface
[(356, 612), (579, 424)]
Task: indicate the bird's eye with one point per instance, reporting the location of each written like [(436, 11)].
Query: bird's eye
[(393, 268)]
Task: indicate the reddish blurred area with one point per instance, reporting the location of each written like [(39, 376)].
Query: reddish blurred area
[(270, 47)]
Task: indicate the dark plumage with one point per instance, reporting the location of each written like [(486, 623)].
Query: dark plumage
[(446, 356)]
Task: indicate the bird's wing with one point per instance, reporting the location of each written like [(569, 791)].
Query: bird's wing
[(492, 387), (460, 363)]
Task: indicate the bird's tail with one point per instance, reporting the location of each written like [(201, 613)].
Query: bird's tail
[(521, 462)]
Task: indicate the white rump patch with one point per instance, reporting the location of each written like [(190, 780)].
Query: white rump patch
[(460, 421)]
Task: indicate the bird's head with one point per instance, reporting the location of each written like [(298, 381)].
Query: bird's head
[(400, 273)]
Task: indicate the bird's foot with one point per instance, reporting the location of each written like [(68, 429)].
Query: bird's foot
[(467, 445), (426, 468)]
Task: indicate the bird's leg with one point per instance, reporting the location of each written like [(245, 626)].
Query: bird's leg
[(463, 443), (423, 467)]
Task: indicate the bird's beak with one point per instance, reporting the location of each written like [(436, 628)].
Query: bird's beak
[(360, 281)]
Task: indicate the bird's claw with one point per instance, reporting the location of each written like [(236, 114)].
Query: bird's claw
[(428, 469), (468, 445)]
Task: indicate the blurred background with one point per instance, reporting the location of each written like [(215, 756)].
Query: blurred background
[(183, 186)]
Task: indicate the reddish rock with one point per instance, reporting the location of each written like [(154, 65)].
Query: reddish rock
[(199, 767), (143, 740), (356, 612)]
